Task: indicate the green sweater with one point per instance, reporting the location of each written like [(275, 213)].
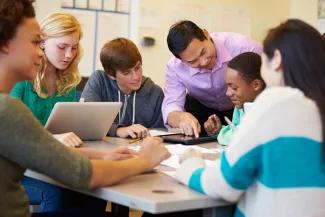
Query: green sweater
[(41, 107), (25, 144), (226, 132)]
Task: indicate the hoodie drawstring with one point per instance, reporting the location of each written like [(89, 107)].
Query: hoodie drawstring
[(125, 106)]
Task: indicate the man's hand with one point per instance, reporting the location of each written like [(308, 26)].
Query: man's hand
[(189, 125)]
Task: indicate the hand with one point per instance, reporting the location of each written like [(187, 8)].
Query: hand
[(153, 151), (120, 153), (212, 125), (189, 125), (190, 153), (134, 131), (68, 139)]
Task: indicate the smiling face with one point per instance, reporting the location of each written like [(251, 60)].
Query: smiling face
[(130, 79), (24, 51), (200, 54), (240, 90), (61, 51)]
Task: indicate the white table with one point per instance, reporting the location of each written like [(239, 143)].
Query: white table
[(152, 192)]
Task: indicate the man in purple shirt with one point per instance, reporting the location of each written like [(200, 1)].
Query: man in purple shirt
[(194, 85)]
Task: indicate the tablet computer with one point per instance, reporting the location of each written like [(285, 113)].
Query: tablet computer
[(188, 140), (88, 120)]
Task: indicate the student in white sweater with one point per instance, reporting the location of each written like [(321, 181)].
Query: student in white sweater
[(275, 165)]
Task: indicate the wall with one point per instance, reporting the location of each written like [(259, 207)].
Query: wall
[(98, 28), (305, 10), (251, 17), (45, 7), (217, 15)]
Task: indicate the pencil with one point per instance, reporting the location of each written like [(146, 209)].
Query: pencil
[(231, 124), (134, 140)]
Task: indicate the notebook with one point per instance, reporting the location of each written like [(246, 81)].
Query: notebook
[(88, 120), (188, 140)]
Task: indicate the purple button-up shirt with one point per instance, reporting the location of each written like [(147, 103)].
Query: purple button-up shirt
[(207, 86)]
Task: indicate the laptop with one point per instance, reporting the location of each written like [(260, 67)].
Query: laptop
[(88, 120), (188, 140)]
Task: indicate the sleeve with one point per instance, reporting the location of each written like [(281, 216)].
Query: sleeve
[(92, 89), (157, 119), (18, 90), (113, 129), (25, 142), (226, 133), (175, 93)]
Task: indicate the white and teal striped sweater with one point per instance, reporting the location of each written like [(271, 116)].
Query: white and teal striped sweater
[(274, 166)]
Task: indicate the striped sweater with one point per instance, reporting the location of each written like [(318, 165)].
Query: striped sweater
[(274, 165)]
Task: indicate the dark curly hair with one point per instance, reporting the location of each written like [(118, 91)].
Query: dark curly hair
[(12, 14)]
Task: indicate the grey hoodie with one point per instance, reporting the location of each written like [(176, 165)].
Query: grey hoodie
[(140, 107)]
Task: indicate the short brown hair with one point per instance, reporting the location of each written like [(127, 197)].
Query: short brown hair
[(119, 54), (12, 14)]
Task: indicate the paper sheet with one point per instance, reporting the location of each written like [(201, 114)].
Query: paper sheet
[(173, 162), (177, 149), (161, 132)]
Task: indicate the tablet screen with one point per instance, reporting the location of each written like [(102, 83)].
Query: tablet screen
[(188, 140)]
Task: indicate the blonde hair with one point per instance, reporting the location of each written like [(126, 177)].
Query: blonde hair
[(57, 25)]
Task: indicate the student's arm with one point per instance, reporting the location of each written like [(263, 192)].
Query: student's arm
[(25, 142), (113, 129), (151, 154), (18, 90), (119, 153)]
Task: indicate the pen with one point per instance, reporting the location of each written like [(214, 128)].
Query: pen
[(134, 140), (231, 124)]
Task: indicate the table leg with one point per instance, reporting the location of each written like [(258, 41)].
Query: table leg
[(120, 210)]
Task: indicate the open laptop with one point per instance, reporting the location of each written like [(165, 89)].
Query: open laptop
[(88, 120), (188, 140)]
